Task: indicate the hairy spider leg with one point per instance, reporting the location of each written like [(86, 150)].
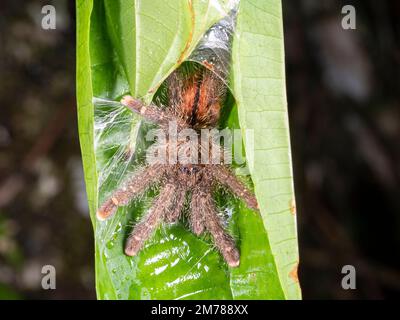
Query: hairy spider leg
[(196, 218), (150, 112), (202, 199), (144, 229), (227, 178), (133, 187), (174, 212)]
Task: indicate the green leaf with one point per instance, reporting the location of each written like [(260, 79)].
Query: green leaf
[(152, 37), (260, 91), (132, 46)]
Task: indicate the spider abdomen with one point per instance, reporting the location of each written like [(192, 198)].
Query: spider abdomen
[(199, 103)]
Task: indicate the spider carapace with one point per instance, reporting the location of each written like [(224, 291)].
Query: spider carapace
[(194, 102)]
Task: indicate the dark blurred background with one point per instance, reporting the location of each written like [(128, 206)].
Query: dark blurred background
[(344, 107)]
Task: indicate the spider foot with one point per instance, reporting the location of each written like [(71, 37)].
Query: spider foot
[(230, 253), (224, 242), (203, 217), (107, 209), (142, 232), (133, 245)]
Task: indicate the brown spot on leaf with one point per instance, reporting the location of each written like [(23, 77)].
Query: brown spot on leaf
[(292, 206), (293, 274)]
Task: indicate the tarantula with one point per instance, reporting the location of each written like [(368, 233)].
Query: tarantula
[(194, 101)]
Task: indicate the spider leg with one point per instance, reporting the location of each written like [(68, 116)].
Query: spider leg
[(224, 242), (175, 209), (196, 217), (151, 221), (134, 186), (149, 112), (227, 178)]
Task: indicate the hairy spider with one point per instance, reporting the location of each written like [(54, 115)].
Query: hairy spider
[(194, 102)]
